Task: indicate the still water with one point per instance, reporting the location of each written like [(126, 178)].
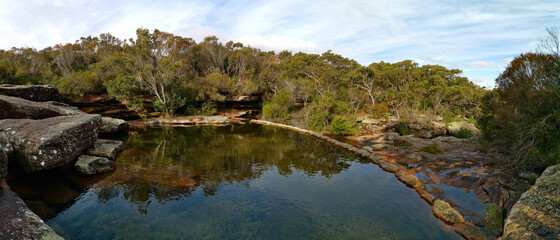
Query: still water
[(241, 182)]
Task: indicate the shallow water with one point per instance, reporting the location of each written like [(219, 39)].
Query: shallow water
[(240, 182)]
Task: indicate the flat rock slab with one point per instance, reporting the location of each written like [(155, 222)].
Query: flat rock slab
[(105, 148), (389, 167), (469, 231), (445, 212), (112, 125), (537, 213), (91, 165), (186, 120), (16, 108), (37, 93), (52, 142), (19, 222), (410, 180), (428, 197)]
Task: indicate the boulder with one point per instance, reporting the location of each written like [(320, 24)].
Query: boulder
[(428, 197), (537, 213), (111, 125), (17, 221), (37, 93), (105, 148), (445, 212), (16, 108), (3, 164), (410, 180), (469, 231), (389, 167), (455, 127), (52, 142), (5, 144), (91, 165)]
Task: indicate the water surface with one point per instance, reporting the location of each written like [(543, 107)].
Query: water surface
[(241, 182)]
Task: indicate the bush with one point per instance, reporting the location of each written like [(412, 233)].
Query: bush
[(278, 107), (494, 218), (341, 126), (135, 104), (403, 129), (462, 133), (208, 108)]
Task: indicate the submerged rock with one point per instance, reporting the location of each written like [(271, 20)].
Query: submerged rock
[(37, 93), (537, 213), (445, 212), (50, 143), (16, 108), (19, 222), (111, 125), (106, 148), (91, 165), (469, 231)]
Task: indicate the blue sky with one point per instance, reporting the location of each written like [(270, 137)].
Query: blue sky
[(479, 37)]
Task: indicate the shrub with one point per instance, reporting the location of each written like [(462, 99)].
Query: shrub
[(379, 110), (462, 133), (135, 104), (208, 108), (494, 218), (278, 107), (403, 129), (341, 126)]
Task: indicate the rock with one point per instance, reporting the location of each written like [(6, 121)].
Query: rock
[(389, 167), (455, 127), (91, 165), (424, 134), (18, 221), (428, 197), (37, 93), (111, 125), (16, 108), (410, 180), (443, 211), (105, 148), (3, 164), (371, 121), (536, 215), (375, 159), (52, 142), (469, 231), (6, 145)]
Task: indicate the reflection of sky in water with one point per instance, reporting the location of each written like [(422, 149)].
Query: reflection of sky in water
[(247, 182)]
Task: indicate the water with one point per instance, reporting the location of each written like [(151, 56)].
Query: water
[(240, 182)]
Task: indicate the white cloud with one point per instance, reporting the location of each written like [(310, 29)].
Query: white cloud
[(279, 43)]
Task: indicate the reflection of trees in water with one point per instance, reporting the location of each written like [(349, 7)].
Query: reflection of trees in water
[(165, 164)]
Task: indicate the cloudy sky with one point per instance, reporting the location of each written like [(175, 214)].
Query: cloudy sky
[(479, 37)]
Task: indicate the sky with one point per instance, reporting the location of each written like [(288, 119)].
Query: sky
[(478, 37)]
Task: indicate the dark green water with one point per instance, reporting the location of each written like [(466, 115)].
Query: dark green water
[(244, 182)]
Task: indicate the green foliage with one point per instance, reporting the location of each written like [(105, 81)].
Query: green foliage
[(278, 107), (462, 133), (494, 218), (403, 129), (121, 87), (7, 72), (322, 110), (174, 101), (340, 125), (135, 104), (75, 83), (208, 108)]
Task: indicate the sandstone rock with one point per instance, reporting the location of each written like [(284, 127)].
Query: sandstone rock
[(19, 222), (443, 211), (111, 125), (375, 159), (105, 148), (371, 121), (37, 93), (6, 145), (389, 167), (52, 142), (410, 180), (455, 127), (537, 213), (3, 164), (469, 231), (428, 197), (16, 108), (91, 165)]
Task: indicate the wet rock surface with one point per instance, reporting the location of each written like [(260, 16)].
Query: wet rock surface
[(469, 231), (445, 212), (92, 165), (37, 93), (50, 143), (112, 125), (16, 108), (105, 148), (184, 120), (537, 213), (19, 222)]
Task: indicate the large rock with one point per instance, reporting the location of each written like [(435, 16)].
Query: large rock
[(19, 222), (455, 127), (37, 93), (3, 164), (50, 143), (105, 148), (111, 125), (537, 213), (443, 211), (5, 144), (16, 108), (469, 231), (91, 165)]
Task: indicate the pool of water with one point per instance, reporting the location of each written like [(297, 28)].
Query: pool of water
[(233, 182)]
